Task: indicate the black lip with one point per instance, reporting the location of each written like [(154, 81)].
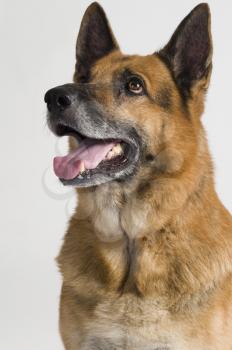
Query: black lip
[(65, 130)]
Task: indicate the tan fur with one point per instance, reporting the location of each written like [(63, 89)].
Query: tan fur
[(149, 262)]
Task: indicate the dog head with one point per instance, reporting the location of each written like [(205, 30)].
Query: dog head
[(131, 115)]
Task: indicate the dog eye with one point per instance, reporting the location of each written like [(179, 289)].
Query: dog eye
[(135, 85)]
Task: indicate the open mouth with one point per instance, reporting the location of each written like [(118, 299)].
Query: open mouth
[(94, 161)]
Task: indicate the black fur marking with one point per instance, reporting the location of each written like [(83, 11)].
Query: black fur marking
[(143, 188), (163, 98), (149, 157), (95, 40), (184, 97), (188, 53)]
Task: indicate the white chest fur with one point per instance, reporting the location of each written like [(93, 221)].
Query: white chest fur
[(112, 219)]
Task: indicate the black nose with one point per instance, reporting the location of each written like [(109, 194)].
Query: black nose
[(57, 99)]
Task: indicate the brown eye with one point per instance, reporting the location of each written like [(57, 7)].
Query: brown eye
[(135, 85)]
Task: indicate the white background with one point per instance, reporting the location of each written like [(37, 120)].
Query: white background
[(37, 52)]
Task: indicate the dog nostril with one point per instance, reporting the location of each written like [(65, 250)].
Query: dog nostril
[(63, 101)]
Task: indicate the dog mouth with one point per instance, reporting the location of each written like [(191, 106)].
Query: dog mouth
[(95, 160)]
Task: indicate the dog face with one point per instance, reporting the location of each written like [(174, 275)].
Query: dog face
[(133, 116)]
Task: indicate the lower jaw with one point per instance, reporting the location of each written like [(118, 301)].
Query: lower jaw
[(91, 178)]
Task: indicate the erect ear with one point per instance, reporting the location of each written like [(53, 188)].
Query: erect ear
[(95, 40), (189, 51)]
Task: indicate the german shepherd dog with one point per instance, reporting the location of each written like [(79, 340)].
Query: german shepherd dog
[(147, 258)]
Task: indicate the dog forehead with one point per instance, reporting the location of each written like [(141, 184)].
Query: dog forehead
[(150, 67)]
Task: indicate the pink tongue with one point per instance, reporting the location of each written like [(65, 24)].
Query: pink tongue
[(90, 152)]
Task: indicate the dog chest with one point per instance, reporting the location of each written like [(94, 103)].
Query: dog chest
[(129, 325)]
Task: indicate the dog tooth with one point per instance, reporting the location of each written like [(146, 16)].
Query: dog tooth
[(82, 167), (109, 155), (117, 149)]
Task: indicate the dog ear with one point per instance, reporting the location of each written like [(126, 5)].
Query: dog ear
[(189, 51), (95, 40)]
